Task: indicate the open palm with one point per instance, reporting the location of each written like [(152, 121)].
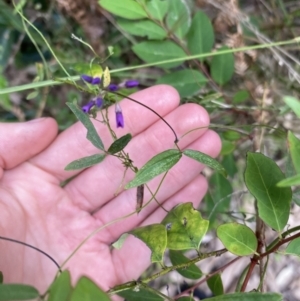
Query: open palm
[(34, 208)]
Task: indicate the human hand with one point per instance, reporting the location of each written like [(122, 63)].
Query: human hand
[(35, 209)]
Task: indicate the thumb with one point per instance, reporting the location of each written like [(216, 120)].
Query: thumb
[(21, 141)]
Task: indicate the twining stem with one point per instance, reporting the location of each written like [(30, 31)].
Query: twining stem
[(104, 226), (46, 42), (283, 235), (32, 247), (166, 270), (191, 57), (221, 269), (279, 244), (143, 105)]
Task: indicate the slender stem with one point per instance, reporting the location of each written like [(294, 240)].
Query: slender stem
[(46, 42), (221, 269), (32, 247), (131, 284), (143, 105), (263, 275), (280, 243), (192, 57), (283, 235)]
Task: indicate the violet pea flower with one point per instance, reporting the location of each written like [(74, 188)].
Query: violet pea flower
[(119, 116), (113, 87), (91, 80), (99, 102), (86, 108), (131, 83)]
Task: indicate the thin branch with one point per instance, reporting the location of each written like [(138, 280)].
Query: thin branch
[(143, 105), (34, 248)]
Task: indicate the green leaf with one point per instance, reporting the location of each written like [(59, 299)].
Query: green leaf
[(157, 9), (230, 164), (127, 9), (87, 290), (155, 51), (61, 288), (218, 200), (85, 162), (143, 28), (291, 181), (6, 41), (119, 243), (155, 166), (14, 21), (237, 239), (178, 18), (190, 272), (293, 103), (289, 166), (220, 192), (200, 38), (32, 95), (186, 82), (222, 67), (1, 277), (205, 159), (140, 294), (94, 70), (293, 247), (253, 296), (92, 134), (261, 178), (185, 227), (17, 292), (294, 148), (5, 102), (231, 135), (119, 144), (227, 147), (9, 18), (296, 196), (215, 284), (155, 237), (240, 96)]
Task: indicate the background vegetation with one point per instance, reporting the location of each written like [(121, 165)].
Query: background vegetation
[(238, 59)]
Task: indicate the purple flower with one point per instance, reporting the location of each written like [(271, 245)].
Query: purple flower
[(96, 101), (86, 108), (119, 116), (113, 87), (99, 102), (87, 78), (131, 83), (96, 81), (91, 80)]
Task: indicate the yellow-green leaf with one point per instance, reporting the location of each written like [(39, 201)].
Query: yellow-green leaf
[(155, 237), (185, 227), (128, 9)]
